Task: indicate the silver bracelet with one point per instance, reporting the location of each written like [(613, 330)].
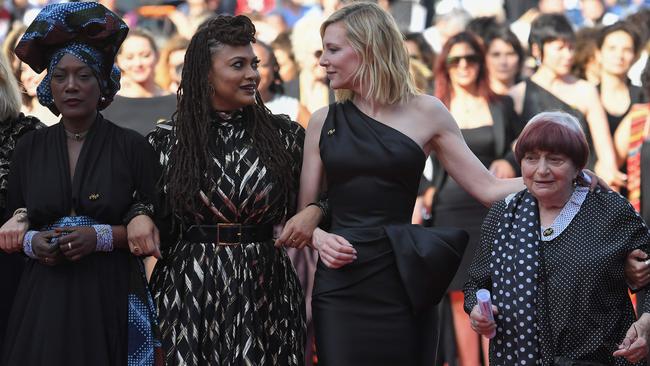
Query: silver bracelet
[(104, 238), (27, 244)]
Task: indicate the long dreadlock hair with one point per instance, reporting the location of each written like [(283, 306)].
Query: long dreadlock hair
[(190, 169)]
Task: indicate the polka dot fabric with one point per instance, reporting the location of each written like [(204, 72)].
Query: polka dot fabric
[(581, 302)]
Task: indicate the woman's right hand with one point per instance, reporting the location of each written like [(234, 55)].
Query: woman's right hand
[(334, 250), (143, 237), (47, 253), (480, 323), (12, 234), (637, 269)]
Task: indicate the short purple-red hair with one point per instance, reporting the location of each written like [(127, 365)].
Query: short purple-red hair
[(554, 132)]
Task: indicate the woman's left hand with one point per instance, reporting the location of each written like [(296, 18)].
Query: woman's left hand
[(12, 234), (596, 181), (297, 232), (635, 345), (76, 242)]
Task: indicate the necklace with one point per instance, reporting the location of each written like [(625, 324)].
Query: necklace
[(76, 136)]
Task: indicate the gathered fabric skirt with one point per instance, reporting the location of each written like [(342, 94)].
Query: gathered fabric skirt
[(362, 315), (229, 305), (71, 314)]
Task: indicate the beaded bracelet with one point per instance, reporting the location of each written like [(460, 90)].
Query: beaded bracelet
[(27, 244), (104, 238)]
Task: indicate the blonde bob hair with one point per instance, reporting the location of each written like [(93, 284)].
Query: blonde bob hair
[(384, 69), (10, 101)]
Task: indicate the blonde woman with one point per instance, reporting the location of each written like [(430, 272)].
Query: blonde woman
[(369, 149), (13, 125)]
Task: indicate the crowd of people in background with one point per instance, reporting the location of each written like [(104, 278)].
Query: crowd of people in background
[(494, 64)]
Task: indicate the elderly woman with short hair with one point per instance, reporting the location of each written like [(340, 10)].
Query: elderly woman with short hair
[(553, 257)]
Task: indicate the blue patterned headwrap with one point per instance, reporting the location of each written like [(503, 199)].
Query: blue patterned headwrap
[(91, 57), (88, 31)]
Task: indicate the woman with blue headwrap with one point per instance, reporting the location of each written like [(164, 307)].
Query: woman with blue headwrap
[(82, 299)]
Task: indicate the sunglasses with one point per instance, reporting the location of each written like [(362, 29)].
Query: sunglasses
[(470, 59)]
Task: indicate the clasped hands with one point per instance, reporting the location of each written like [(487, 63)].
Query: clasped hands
[(302, 230)]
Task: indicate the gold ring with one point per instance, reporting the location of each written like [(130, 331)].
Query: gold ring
[(136, 249)]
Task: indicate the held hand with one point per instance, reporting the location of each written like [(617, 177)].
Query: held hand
[(297, 232), (635, 345), (612, 177), (596, 181), (334, 250), (143, 237), (12, 233), (77, 242), (480, 324), (46, 248), (637, 269), (501, 168)]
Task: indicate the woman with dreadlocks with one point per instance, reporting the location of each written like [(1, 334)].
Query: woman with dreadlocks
[(225, 294)]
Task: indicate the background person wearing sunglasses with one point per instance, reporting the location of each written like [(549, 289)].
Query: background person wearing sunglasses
[(488, 123)]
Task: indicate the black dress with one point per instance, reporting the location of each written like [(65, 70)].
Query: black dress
[(76, 313), (537, 99), (361, 311), (11, 265), (231, 305), (636, 96)]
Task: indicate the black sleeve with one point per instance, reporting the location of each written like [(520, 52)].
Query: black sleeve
[(15, 194), (479, 271), (146, 171), (161, 142)]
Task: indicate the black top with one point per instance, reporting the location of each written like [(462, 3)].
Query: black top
[(637, 95), (245, 190), (141, 114), (582, 300), (114, 163), (537, 99), (372, 169), (10, 131)]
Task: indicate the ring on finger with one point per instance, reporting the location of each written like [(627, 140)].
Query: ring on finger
[(136, 249), (69, 245)]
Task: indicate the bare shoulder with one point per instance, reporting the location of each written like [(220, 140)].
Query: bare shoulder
[(583, 86), (317, 120), (430, 111)]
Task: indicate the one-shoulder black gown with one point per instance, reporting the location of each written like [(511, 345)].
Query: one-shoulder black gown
[(361, 311)]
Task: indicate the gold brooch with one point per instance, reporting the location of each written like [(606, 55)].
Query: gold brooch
[(548, 232), (94, 197), (331, 132)]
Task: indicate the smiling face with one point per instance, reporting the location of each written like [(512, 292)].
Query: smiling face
[(339, 58), (234, 77), (617, 53), (548, 176), (75, 89), (463, 65), (137, 59)]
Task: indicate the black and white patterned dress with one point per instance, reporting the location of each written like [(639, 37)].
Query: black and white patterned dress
[(232, 305)]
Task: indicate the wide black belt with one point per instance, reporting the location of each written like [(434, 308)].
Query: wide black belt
[(228, 234)]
